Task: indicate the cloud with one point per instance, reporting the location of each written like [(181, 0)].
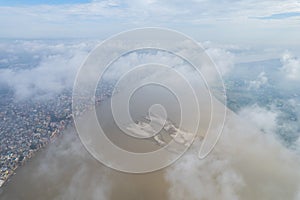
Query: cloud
[(205, 20), (261, 118), (261, 80), (41, 69), (245, 164), (291, 66), (223, 59), (211, 178), (54, 72)]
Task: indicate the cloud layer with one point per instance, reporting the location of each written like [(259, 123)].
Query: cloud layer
[(291, 66), (226, 21), (245, 164), (54, 70)]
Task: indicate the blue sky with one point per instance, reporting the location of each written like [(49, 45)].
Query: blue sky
[(39, 2), (257, 22), (281, 15)]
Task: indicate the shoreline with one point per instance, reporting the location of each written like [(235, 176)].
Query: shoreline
[(54, 135), (62, 125)]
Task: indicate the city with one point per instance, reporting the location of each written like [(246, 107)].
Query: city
[(28, 126)]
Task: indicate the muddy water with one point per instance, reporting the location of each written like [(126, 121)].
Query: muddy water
[(244, 165), (65, 170)]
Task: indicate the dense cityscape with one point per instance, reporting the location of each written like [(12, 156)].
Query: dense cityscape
[(28, 126)]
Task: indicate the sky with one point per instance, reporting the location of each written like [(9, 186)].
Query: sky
[(39, 2), (251, 22)]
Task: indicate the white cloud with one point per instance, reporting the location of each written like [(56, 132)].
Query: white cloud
[(211, 178), (223, 59), (51, 66), (229, 21), (291, 66), (260, 81), (245, 164), (260, 117), (54, 73)]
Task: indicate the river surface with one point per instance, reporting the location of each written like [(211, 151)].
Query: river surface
[(245, 164), (65, 170)]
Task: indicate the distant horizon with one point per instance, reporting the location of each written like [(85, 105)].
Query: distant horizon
[(240, 22)]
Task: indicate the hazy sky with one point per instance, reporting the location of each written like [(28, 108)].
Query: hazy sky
[(258, 22)]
